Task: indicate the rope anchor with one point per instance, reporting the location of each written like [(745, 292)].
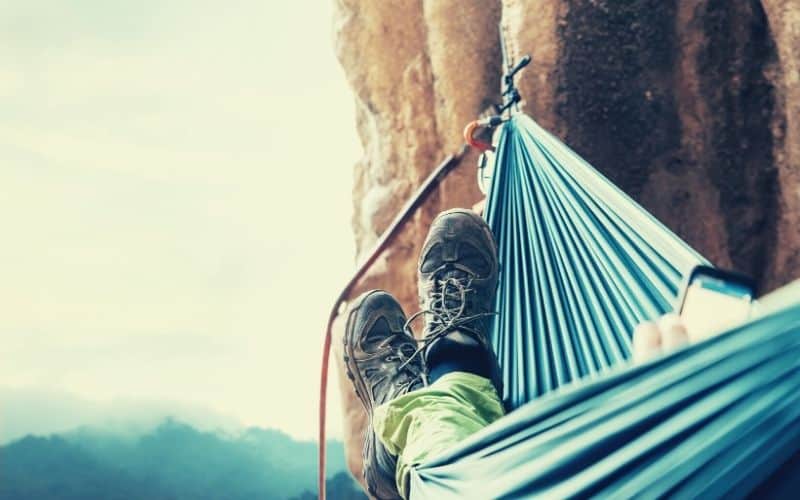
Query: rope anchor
[(511, 97)]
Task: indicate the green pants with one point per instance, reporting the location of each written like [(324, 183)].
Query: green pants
[(428, 421)]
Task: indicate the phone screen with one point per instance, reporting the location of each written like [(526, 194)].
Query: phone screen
[(712, 304)]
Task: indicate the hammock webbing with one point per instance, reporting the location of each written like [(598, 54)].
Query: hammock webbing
[(581, 265)]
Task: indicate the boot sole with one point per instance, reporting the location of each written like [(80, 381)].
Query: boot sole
[(349, 354)]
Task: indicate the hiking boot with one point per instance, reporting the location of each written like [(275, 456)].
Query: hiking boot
[(378, 355), (457, 278)]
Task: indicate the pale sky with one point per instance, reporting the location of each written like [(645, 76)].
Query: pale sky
[(175, 201)]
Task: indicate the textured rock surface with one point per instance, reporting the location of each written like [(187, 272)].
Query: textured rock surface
[(691, 106)]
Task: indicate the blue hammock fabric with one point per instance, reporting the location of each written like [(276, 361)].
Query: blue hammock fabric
[(714, 420), (581, 265)]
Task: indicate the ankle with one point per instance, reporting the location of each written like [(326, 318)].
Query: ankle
[(448, 355)]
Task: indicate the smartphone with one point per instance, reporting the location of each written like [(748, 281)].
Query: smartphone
[(714, 299)]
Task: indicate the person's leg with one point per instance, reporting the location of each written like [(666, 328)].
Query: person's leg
[(377, 352), (427, 422), (458, 274)]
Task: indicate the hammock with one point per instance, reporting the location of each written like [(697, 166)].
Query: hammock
[(581, 265)]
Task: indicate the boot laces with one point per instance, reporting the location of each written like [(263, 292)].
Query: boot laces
[(449, 300)]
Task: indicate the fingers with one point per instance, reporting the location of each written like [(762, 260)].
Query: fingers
[(673, 332), (646, 341), (651, 339)]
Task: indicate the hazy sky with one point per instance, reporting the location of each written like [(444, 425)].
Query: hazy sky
[(174, 202)]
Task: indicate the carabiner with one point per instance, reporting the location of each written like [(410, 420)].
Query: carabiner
[(473, 126)]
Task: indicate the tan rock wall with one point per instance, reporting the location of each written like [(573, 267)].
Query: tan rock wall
[(691, 106)]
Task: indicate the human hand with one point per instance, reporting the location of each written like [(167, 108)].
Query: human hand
[(653, 338)]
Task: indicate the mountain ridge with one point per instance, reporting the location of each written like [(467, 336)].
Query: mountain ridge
[(173, 460)]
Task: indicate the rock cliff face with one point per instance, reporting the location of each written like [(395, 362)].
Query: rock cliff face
[(690, 106)]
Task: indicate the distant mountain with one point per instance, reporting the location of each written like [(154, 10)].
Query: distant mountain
[(44, 412), (173, 461)]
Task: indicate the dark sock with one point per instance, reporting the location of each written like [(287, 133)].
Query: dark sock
[(448, 356)]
